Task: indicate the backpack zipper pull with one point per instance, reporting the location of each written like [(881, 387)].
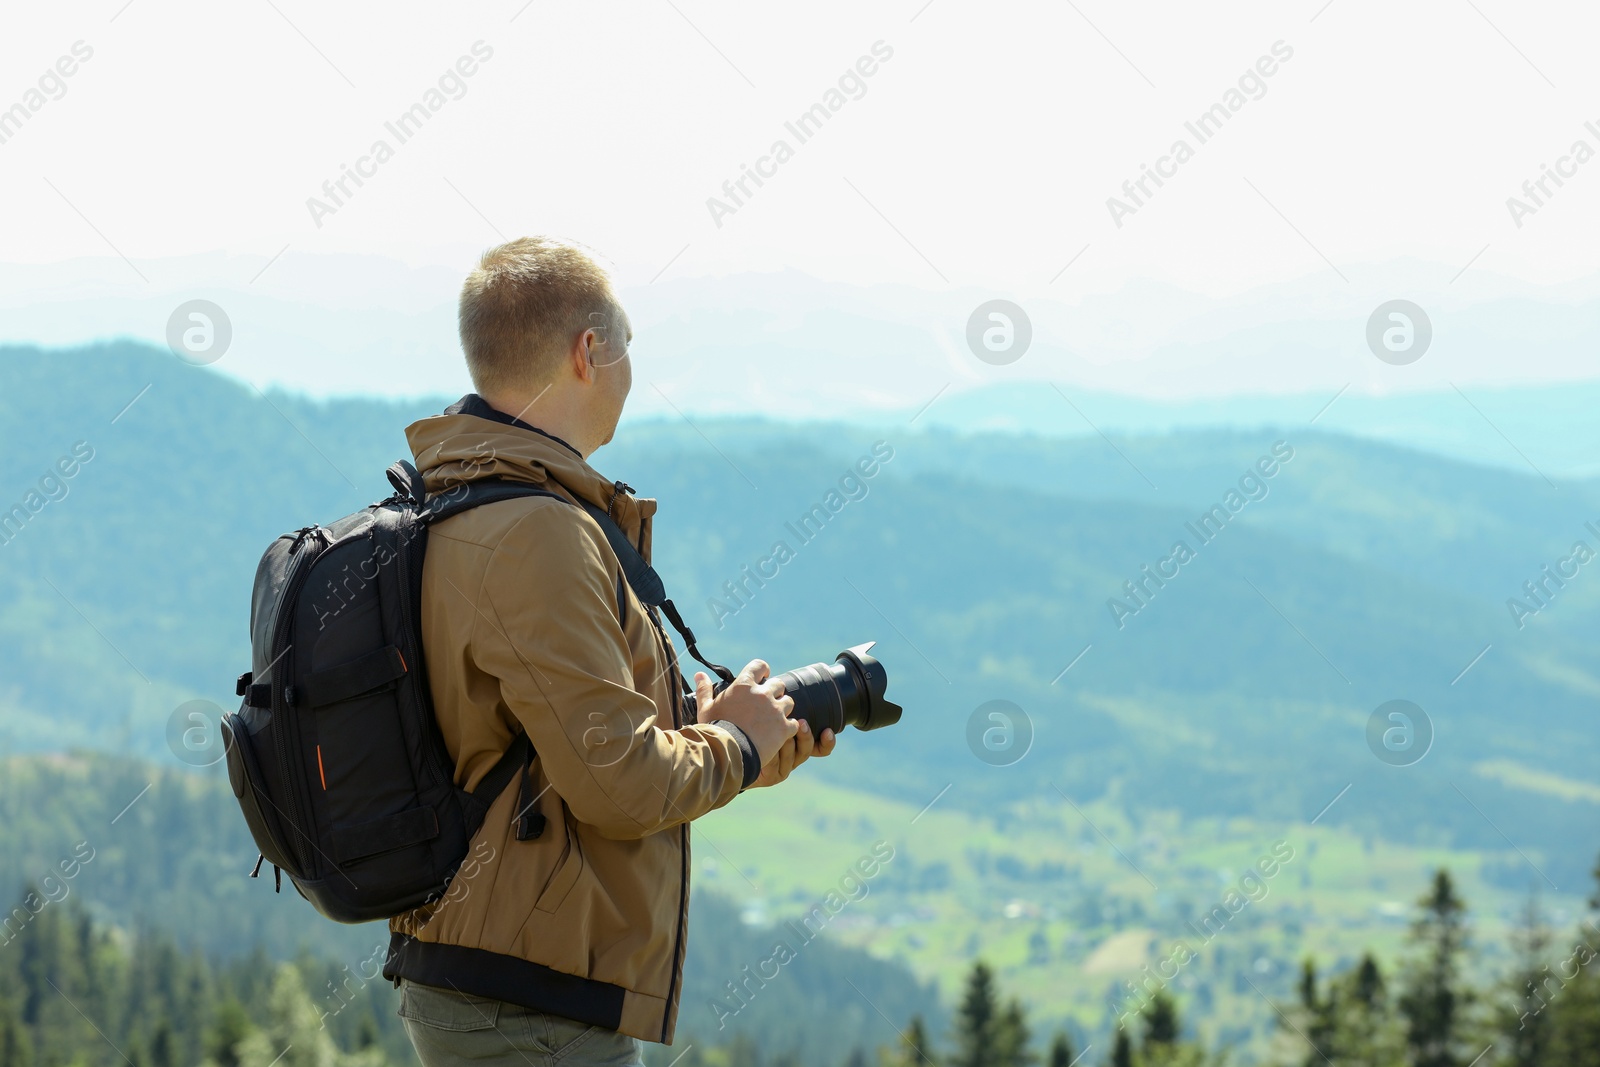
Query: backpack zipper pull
[(315, 532), (277, 879), (256, 870)]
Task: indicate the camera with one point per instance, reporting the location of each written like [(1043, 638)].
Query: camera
[(830, 696)]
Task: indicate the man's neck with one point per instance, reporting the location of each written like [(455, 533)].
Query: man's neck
[(515, 414)]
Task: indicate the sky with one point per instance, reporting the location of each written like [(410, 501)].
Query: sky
[(969, 152)]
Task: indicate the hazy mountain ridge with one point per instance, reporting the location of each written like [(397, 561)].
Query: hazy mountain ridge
[(984, 565)]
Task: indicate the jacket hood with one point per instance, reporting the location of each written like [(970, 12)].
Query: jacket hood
[(452, 449)]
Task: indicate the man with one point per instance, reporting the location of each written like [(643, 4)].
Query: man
[(565, 945)]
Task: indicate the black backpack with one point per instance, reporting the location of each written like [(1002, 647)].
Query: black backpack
[(334, 753)]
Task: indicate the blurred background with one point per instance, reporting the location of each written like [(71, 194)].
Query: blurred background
[(1232, 545)]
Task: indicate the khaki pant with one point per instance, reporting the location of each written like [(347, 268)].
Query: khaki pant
[(450, 1029)]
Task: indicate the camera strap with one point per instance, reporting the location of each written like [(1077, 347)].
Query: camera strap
[(642, 578), (647, 584)]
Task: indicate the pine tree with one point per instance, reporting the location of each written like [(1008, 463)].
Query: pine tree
[(1434, 1001), (293, 1036), (1369, 986), (976, 1020), (99, 979), (1524, 1025), (367, 1032), (1575, 1015), (1318, 1013), (43, 955), (1365, 1033), (51, 976), (1160, 1021), (1122, 1050), (1060, 1054), (1575, 1022), (1012, 1037), (16, 1048), (194, 1009), (914, 1050), (162, 1049), (229, 1026)]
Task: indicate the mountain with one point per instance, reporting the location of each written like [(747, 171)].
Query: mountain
[(1236, 704), (983, 564), (1147, 357), (154, 848)]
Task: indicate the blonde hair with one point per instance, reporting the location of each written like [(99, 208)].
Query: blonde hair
[(522, 307)]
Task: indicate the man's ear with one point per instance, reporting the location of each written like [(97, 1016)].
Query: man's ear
[(582, 356)]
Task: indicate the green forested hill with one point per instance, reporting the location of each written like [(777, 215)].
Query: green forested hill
[(152, 849), (983, 565), (1238, 695)]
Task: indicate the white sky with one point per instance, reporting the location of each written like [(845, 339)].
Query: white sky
[(977, 163), (991, 139)]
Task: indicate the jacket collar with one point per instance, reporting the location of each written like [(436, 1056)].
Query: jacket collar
[(473, 404), (472, 441)]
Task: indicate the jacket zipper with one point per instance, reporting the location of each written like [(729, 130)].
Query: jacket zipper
[(683, 847), (683, 830)]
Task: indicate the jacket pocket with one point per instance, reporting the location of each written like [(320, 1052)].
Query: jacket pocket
[(568, 865)]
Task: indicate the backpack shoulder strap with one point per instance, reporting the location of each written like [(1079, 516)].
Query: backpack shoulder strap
[(407, 481), (643, 578), (410, 488), (469, 495), (513, 761)]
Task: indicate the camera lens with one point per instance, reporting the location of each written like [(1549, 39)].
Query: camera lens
[(847, 692)]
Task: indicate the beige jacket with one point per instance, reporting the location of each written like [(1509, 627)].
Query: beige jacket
[(522, 632)]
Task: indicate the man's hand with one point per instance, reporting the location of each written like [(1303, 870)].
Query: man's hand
[(753, 704), (794, 752), (781, 750)]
